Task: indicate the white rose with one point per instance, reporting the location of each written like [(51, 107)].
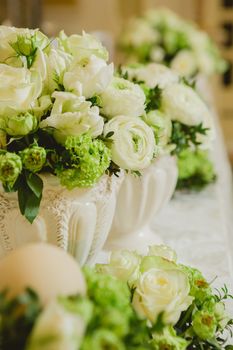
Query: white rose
[(123, 97), (162, 290), (82, 46), (10, 35), (19, 88), (139, 32), (163, 251), (183, 104), (133, 143), (57, 329), (88, 77), (73, 116), (185, 63), (124, 265), (154, 74)]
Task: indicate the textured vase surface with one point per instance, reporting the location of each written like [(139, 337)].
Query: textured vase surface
[(77, 221), (139, 200)]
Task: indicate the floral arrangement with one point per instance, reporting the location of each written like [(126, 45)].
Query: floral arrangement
[(63, 112), (163, 37), (182, 122), (133, 302)]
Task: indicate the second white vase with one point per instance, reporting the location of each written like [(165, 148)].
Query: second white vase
[(139, 199)]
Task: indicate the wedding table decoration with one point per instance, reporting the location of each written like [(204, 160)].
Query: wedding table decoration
[(161, 36), (183, 129), (134, 302), (60, 161)]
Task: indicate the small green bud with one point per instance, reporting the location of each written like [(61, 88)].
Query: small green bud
[(168, 340), (20, 125), (33, 158), (25, 45), (10, 168), (204, 324)]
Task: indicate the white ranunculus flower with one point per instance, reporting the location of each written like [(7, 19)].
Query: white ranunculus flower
[(139, 32), (163, 251), (10, 35), (57, 329), (162, 290), (154, 74), (123, 97), (88, 77), (124, 265), (19, 88), (185, 63), (73, 116), (41, 105), (82, 46), (133, 143), (183, 104)]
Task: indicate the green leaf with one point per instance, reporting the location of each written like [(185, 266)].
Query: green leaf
[(34, 183), (29, 202)]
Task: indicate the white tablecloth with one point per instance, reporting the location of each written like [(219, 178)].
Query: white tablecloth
[(199, 226)]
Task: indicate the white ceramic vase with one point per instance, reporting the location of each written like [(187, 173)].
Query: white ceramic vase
[(139, 199), (77, 221)]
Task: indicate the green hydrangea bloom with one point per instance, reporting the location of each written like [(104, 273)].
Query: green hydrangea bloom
[(10, 168), (89, 160), (33, 158), (195, 169), (199, 287), (204, 324), (102, 339), (106, 290), (168, 340)]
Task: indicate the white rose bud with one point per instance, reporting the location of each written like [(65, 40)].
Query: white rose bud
[(124, 265), (133, 143), (123, 97), (89, 76), (19, 88), (163, 251), (73, 116)]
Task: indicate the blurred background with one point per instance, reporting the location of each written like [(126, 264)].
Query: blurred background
[(107, 17)]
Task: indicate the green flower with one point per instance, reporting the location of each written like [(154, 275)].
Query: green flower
[(89, 161), (20, 125), (108, 291), (102, 339), (33, 158), (195, 169), (204, 324), (10, 168), (199, 287), (168, 340)]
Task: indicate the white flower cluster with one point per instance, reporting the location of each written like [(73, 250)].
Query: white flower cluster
[(163, 37), (159, 284), (179, 102), (55, 86)]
